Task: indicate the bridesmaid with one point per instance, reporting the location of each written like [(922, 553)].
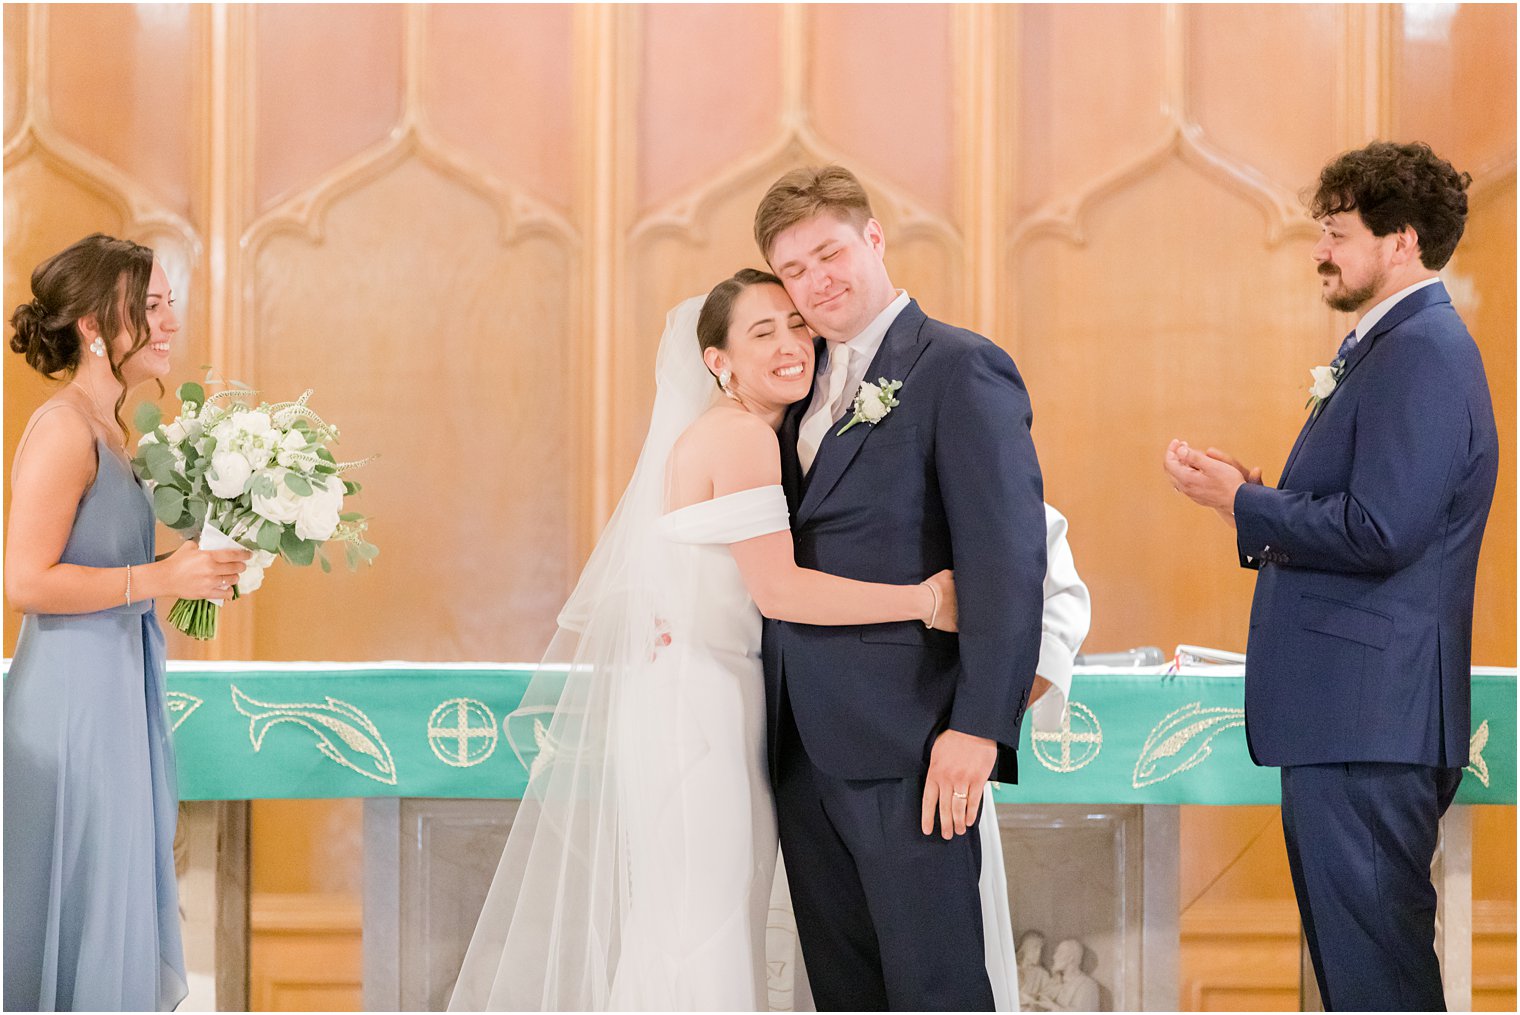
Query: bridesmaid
[(91, 905)]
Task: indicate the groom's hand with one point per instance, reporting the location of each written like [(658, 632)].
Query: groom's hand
[(959, 765)]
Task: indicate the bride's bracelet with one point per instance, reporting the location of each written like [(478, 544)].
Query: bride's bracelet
[(934, 611), (129, 585)]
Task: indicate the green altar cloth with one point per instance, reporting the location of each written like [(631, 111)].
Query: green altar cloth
[(292, 730)]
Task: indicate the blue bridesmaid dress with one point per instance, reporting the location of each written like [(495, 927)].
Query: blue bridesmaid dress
[(91, 904)]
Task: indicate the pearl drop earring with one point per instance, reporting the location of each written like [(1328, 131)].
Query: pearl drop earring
[(98, 347), (724, 376)]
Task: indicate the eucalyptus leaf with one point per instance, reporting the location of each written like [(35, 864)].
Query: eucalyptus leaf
[(192, 392), (269, 537), (262, 485), (147, 417), (298, 485), (160, 462), (350, 488), (326, 566), (351, 554), (351, 516), (369, 551), (297, 550), (168, 505)]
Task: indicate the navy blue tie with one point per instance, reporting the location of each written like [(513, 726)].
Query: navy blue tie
[(1347, 344)]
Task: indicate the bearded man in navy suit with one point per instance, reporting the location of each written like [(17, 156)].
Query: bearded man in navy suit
[(1359, 659)]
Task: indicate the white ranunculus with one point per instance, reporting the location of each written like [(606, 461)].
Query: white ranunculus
[(1324, 382), (229, 471), (872, 408), (259, 452), (284, 507), (250, 580), (319, 513)]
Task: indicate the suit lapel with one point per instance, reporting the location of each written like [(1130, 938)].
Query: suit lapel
[(899, 351), (1398, 314)]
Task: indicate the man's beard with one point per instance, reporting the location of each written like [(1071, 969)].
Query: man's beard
[(1351, 300)]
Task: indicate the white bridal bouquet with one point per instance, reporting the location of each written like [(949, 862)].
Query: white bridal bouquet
[(258, 477)]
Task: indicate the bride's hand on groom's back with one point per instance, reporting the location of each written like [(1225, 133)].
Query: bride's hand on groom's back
[(945, 615)]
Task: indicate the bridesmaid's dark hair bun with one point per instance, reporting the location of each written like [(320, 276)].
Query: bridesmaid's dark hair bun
[(99, 276), (48, 350)]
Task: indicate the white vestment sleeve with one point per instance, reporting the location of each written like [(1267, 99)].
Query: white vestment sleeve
[(1067, 617)]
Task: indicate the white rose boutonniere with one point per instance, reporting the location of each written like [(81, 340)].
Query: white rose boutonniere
[(873, 402), (1324, 380)]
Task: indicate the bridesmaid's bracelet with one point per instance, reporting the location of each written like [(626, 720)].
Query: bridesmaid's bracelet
[(934, 611), (129, 586)]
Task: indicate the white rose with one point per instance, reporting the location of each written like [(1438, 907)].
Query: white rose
[(872, 408), (250, 580), (229, 471), (284, 506), (319, 513), (147, 438), (1324, 382), (252, 422), (293, 442)]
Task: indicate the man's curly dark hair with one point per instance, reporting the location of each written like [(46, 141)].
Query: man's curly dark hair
[(1395, 185)]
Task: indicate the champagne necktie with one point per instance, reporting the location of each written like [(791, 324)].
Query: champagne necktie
[(815, 426)]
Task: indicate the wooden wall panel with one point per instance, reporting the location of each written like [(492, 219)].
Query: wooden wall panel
[(1449, 65), (115, 90), (328, 84), (435, 309), (882, 86), (499, 86), (1173, 355), (1283, 124), (704, 102), (1087, 99), (14, 42), (464, 226)]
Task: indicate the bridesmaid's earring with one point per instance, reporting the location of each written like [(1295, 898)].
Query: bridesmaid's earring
[(98, 347), (724, 376)]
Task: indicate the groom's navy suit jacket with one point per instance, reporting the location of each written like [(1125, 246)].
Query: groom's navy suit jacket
[(948, 478), (1361, 627)]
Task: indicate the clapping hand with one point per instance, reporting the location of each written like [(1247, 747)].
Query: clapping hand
[(1210, 479)]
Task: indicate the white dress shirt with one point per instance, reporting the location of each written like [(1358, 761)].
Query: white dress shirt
[(862, 350), (1376, 314)]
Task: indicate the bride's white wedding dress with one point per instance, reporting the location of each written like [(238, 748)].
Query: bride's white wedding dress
[(638, 874), (703, 867)]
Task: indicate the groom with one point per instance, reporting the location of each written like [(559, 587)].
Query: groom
[(883, 737)]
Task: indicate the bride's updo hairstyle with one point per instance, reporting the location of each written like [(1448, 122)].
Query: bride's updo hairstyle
[(100, 277), (713, 321)]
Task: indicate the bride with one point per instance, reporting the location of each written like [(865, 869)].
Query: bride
[(639, 870)]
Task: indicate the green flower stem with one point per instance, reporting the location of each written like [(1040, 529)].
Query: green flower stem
[(195, 617)]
